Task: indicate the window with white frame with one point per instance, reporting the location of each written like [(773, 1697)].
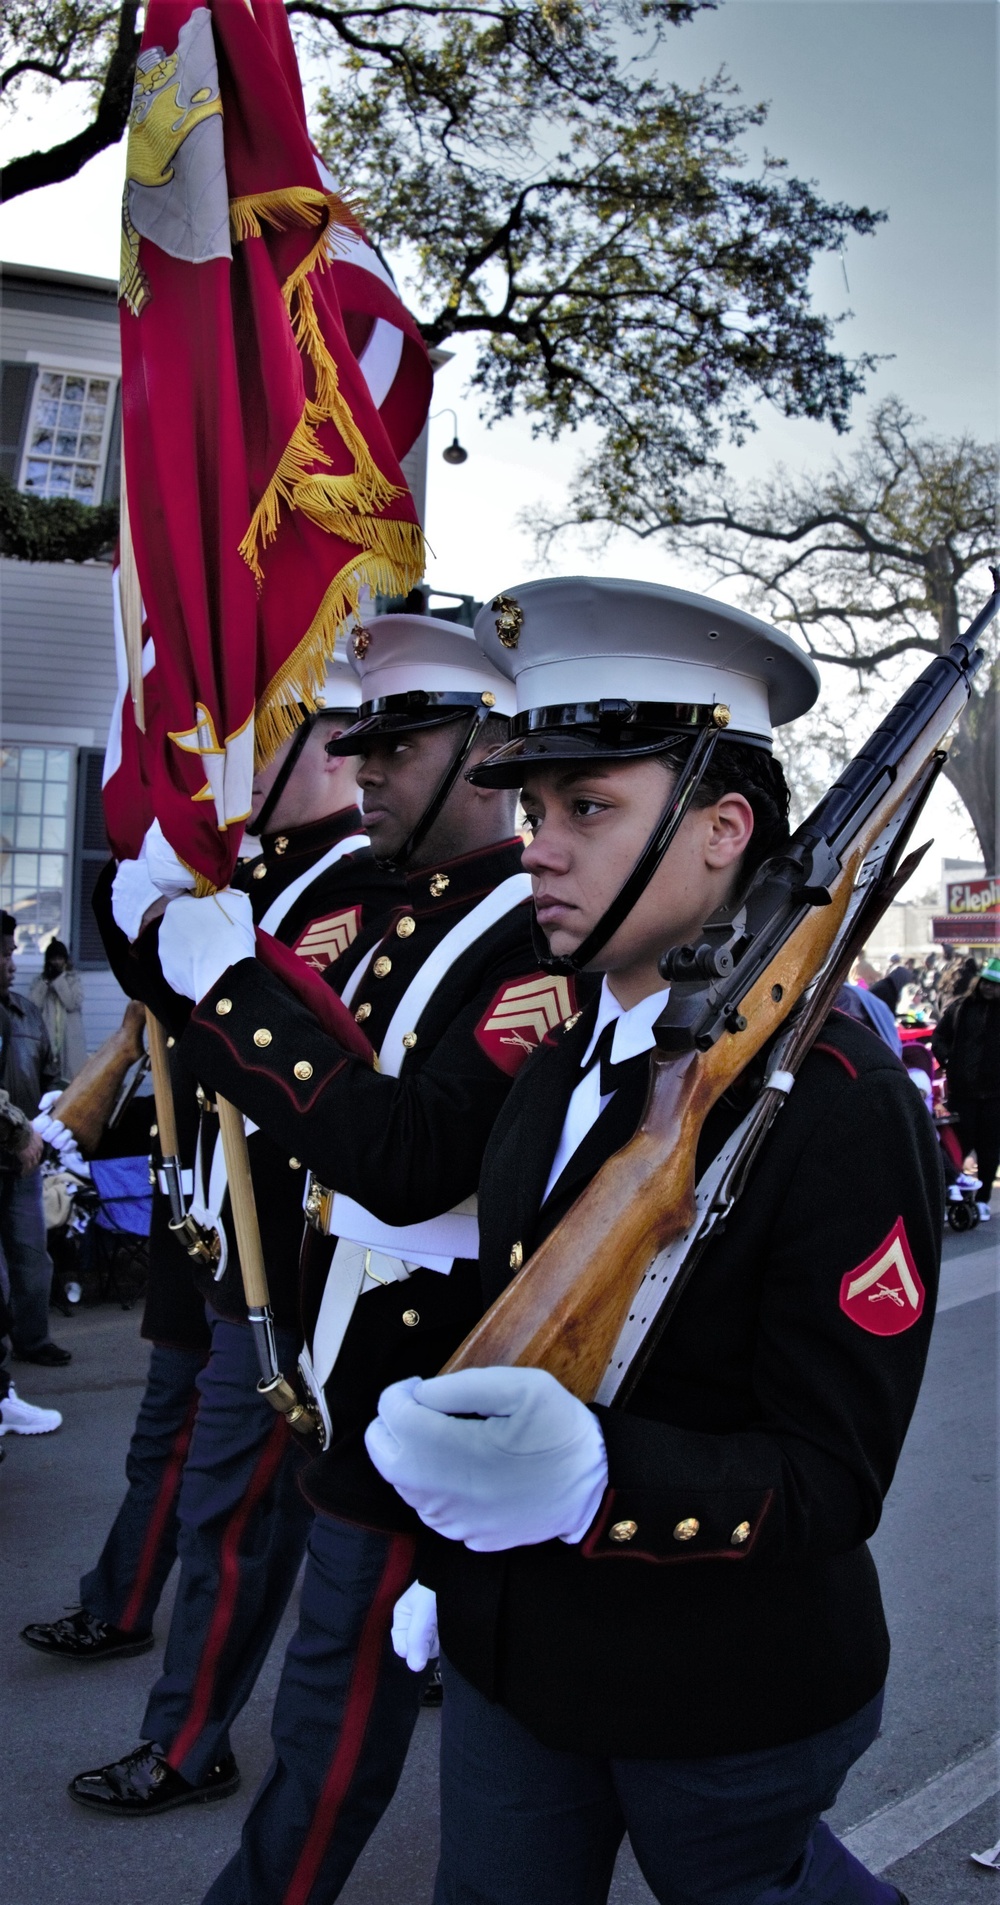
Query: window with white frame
[(66, 441), (35, 821)]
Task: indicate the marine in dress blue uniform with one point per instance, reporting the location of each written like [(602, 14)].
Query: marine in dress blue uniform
[(240, 1519), (663, 1618), (453, 1002)]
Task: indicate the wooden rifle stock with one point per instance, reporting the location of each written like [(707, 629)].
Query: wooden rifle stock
[(89, 1099), (565, 1309)]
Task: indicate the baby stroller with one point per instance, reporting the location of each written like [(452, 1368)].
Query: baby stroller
[(99, 1239)]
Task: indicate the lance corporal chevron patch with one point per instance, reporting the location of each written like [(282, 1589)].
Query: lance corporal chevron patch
[(324, 940), (884, 1295), (520, 1016)]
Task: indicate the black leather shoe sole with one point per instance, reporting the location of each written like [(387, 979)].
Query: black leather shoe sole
[(50, 1356), (175, 1794), (102, 1650)]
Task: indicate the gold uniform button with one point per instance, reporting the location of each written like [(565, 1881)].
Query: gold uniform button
[(262, 1036), (260, 871), (302, 1069), (281, 844), (623, 1530), (362, 1013), (295, 1164), (740, 1534), (405, 927), (409, 1040), (687, 1529), (516, 1256), (411, 1318), (154, 1130), (223, 1006), (171, 1042), (382, 966), (440, 882)]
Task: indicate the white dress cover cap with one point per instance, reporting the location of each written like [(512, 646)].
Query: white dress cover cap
[(401, 654), (573, 639)]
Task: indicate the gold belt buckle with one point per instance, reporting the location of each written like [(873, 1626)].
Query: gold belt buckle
[(318, 1206)]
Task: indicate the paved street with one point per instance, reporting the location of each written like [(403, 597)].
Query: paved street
[(928, 1778)]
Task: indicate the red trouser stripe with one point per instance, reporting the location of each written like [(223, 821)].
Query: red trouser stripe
[(264, 1472), (163, 1507), (360, 1696)]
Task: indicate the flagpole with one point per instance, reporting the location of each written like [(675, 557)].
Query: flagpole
[(166, 1119), (273, 1384)]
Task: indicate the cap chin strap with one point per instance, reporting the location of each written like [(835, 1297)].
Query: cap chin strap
[(395, 862), (256, 827), (682, 793)]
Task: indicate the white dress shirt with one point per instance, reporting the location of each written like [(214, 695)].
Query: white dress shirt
[(633, 1034)]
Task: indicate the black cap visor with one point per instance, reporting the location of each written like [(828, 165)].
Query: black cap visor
[(582, 732), (405, 714)]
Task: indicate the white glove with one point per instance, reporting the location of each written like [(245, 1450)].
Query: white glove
[(415, 1627), (536, 1468), (201, 939), (53, 1132), (48, 1099), (138, 884)]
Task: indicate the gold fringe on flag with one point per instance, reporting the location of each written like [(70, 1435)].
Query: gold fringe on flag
[(342, 505), (394, 568)]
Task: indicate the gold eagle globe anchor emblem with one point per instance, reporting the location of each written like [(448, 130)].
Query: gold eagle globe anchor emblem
[(509, 619)]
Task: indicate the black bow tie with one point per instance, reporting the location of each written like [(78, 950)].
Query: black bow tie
[(611, 1074)]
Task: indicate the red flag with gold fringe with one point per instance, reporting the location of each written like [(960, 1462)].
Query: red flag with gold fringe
[(264, 487)]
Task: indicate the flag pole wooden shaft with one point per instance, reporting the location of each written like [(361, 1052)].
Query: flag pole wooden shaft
[(159, 1065), (243, 1204)]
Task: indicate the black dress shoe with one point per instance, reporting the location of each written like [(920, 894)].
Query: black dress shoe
[(81, 1636), (142, 1783), (50, 1355)]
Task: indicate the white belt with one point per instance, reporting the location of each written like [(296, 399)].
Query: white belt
[(187, 1183), (358, 1266)]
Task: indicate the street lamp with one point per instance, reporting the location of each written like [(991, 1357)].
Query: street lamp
[(454, 452)]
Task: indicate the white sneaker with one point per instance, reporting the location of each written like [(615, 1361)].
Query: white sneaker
[(23, 1418), (984, 1213)]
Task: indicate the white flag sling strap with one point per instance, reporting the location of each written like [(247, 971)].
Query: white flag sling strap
[(282, 906), (472, 926), (208, 1200), (368, 1252)]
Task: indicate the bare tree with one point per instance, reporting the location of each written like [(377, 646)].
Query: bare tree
[(882, 555)]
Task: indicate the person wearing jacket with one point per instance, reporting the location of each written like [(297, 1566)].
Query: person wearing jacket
[(58, 994), (967, 1043), (662, 1618), (33, 1075), (22, 1148)]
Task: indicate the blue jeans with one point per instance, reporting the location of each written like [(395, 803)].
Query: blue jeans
[(524, 1825), (29, 1266), (125, 1586), (242, 1527)]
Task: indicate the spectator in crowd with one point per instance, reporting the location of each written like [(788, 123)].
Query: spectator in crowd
[(892, 987), (22, 1148), (967, 1044), (864, 972), (957, 977), (58, 994), (31, 1073)]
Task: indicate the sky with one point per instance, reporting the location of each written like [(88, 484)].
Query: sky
[(889, 103)]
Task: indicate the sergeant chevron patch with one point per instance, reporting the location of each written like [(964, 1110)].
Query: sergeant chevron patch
[(521, 1014), (884, 1295), (324, 940)]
